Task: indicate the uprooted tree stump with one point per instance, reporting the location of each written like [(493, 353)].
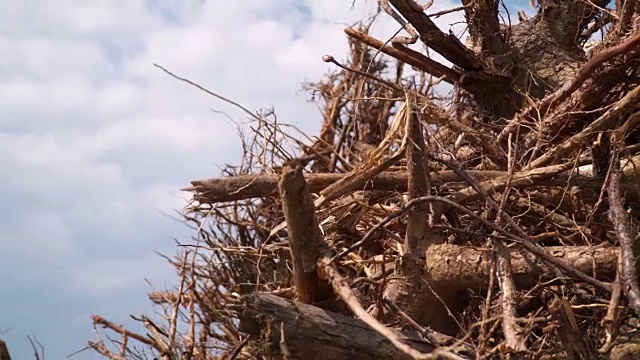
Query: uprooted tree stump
[(498, 222)]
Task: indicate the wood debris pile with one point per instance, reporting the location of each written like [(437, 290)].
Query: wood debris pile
[(499, 222)]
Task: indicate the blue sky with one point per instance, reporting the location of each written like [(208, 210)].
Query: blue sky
[(95, 142)]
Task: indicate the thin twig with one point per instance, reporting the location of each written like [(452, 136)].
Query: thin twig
[(253, 115)]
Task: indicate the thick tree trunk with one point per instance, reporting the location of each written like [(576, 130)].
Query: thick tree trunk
[(464, 267), (308, 332)]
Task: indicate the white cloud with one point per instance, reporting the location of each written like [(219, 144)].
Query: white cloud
[(41, 57)]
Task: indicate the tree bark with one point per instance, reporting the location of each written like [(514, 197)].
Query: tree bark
[(465, 267), (313, 333), (626, 351), (305, 238), (309, 332), (233, 188)]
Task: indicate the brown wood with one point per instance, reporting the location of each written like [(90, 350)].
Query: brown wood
[(467, 267), (313, 333), (418, 185), (407, 55), (447, 46), (232, 188), (305, 238)]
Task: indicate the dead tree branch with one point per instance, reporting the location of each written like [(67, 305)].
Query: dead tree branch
[(626, 233), (240, 187), (313, 333), (305, 238), (447, 46)]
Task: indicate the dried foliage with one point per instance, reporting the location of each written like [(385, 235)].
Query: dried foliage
[(498, 223)]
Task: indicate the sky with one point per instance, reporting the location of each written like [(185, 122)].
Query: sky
[(95, 142)]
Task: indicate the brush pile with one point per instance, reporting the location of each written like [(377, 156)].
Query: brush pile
[(497, 222)]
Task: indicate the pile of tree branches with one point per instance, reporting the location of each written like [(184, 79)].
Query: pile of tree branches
[(497, 222)]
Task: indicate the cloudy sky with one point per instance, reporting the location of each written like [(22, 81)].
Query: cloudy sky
[(95, 142)]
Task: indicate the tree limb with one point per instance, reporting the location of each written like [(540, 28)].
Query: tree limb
[(468, 267), (586, 71), (240, 187), (509, 299), (408, 56), (484, 26), (305, 238), (625, 106), (446, 45), (314, 333), (418, 184), (626, 233)]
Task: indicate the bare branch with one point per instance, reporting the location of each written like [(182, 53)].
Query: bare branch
[(408, 56), (626, 232), (446, 45), (418, 184)]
